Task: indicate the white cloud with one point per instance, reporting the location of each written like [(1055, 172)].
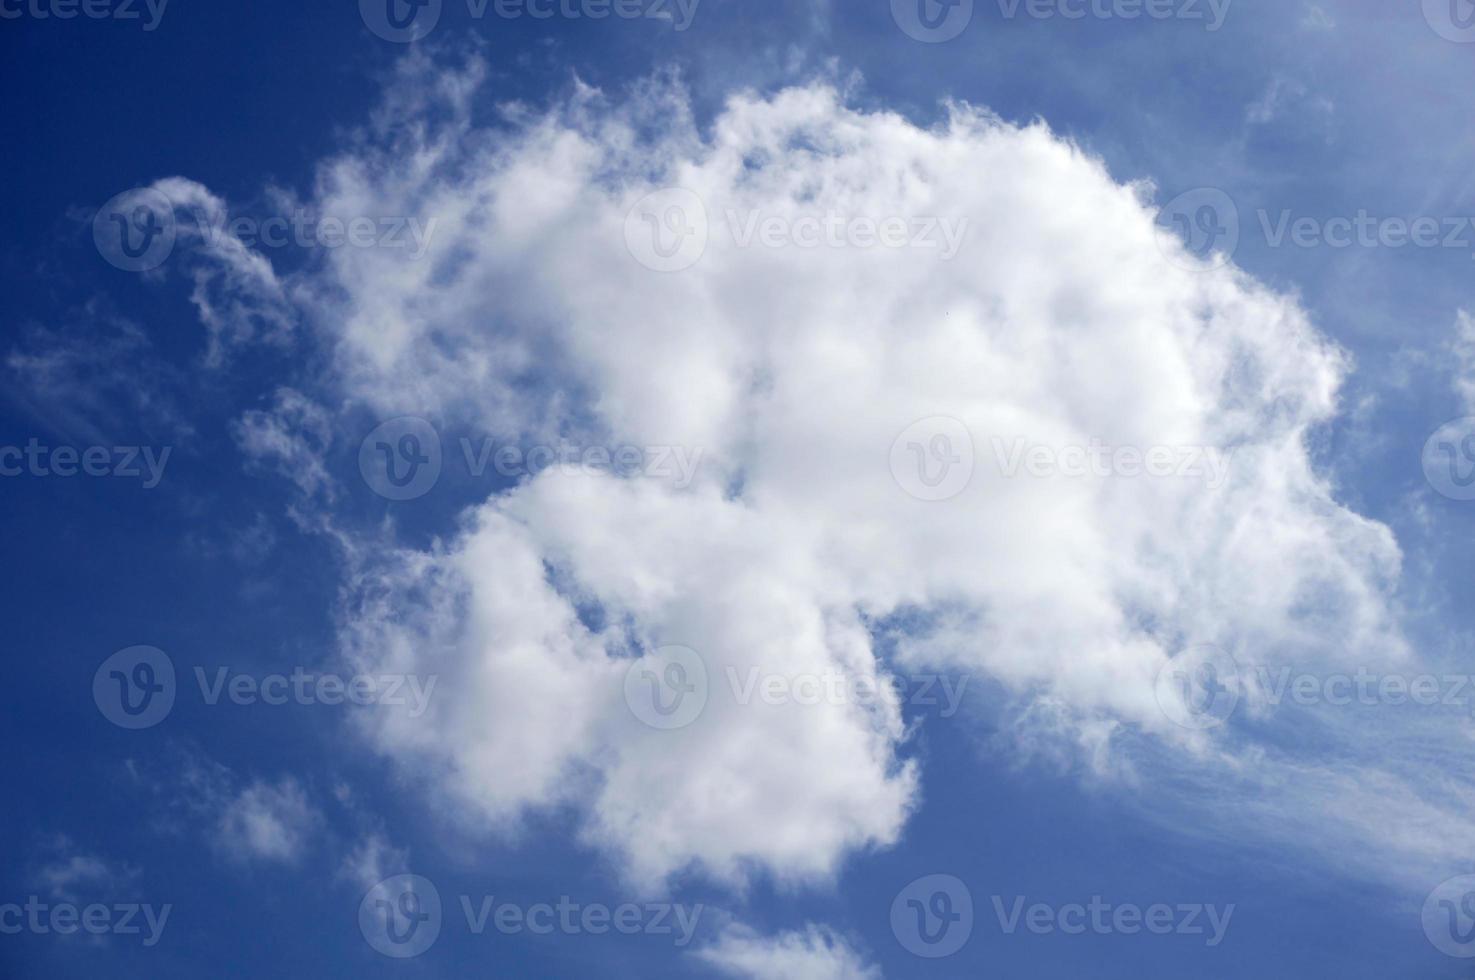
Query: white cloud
[(814, 954), (294, 436), (73, 874), (372, 860), (266, 821), (1065, 319), (1463, 348)]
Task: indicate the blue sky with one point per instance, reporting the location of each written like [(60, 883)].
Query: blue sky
[(266, 544)]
